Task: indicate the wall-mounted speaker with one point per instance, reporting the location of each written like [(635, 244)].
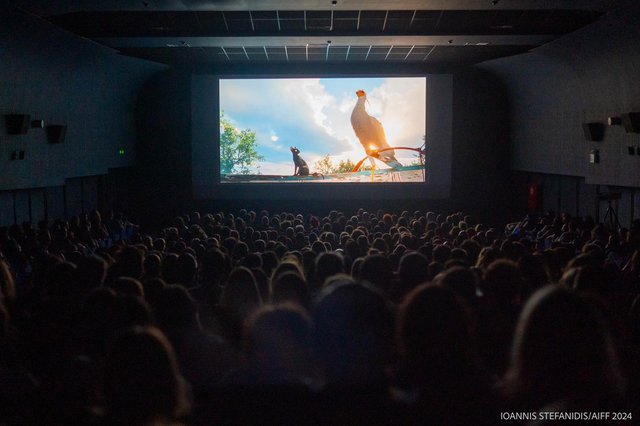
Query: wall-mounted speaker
[(631, 122), (37, 124), (17, 124), (593, 131), (56, 133), (614, 121)]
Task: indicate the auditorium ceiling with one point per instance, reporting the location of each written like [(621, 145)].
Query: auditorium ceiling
[(446, 33)]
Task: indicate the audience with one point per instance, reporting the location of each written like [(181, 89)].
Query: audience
[(364, 318)]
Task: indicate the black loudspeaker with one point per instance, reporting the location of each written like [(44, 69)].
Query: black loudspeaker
[(17, 124), (614, 121), (56, 133), (593, 131), (631, 122)]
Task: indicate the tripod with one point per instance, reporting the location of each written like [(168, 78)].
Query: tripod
[(612, 215)]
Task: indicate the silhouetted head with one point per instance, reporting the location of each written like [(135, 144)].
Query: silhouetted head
[(152, 266), (277, 343), (534, 271), (434, 334), (462, 281), (413, 270), (353, 334), (290, 287), (241, 294), (141, 382), (186, 268), (562, 349), (504, 281), (129, 263), (328, 264), (91, 272), (175, 309), (377, 270), (295, 150), (127, 286), (215, 265)]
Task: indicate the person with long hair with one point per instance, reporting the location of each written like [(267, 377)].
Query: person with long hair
[(141, 382), (562, 355)]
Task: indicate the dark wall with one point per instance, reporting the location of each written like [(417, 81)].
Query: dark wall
[(163, 116), (586, 76), (63, 79), (480, 167), (75, 196)]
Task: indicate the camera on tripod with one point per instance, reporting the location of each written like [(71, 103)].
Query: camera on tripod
[(611, 214)]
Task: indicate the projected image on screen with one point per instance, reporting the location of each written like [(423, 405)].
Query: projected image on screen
[(325, 130)]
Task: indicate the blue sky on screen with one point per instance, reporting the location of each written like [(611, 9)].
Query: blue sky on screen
[(314, 115)]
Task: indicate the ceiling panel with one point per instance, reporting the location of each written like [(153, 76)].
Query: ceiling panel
[(398, 20), (48, 7), (242, 23), (265, 25), (423, 54), (189, 33), (292, 25), (264, 14), (275, 50)]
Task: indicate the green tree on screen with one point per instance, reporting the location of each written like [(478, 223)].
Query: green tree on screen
[(238, 153), (345, 166), (325, 165)]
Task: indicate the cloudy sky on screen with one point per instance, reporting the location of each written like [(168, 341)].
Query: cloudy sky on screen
[(315, 116)]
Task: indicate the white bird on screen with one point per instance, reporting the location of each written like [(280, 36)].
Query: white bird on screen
[(371, 134)]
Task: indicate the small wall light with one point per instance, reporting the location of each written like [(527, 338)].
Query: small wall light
[(614, 121)]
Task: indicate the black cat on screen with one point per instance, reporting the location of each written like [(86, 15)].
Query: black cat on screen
[(300, 166)]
